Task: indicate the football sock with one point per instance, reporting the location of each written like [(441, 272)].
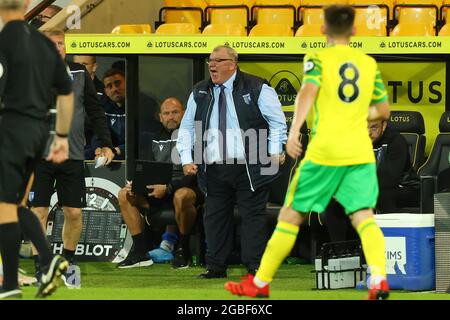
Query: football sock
[(278, 247), (373, 245), (31, 227), (9, 250)]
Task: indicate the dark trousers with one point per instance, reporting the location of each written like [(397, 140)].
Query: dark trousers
[(227, 186)]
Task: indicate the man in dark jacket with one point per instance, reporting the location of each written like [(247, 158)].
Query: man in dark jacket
[(69, 175), (393, 165), (182, 192)]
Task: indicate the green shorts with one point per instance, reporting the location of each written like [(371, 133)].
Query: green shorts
[(313, 185)]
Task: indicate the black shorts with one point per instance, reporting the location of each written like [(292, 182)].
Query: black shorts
[(66, 178), (22, 142), (156, 205)]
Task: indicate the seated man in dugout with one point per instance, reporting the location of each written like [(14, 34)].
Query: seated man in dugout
[(398, 183), (182, 192)]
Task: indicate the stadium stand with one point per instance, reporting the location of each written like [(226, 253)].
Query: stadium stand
[(411, 126), (371, 21), (437, 163), (407, 13)]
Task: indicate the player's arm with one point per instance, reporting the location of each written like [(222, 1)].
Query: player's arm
[(379, 106), (303, 102)]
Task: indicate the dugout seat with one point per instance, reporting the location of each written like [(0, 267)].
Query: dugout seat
[(411, 126), (436, 164), (132, 28), (177, 28), (281, 30)]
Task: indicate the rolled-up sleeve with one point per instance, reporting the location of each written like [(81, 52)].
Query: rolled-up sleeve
[(186, 134), (270, 107)]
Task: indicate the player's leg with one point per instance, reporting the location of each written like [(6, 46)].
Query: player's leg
[(184, 201), (311, 189), (138, 256), (358, 194)]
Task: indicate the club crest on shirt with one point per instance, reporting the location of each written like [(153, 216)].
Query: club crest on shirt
[(161, 147), (309, 65), (113, 121), (247, 98)]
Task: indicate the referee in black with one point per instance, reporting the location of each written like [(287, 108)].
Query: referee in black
[(31, 73)]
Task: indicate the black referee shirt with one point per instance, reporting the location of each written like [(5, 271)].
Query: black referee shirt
[(31, 71)]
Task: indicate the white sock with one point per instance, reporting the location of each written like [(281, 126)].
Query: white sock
[(259, 283)]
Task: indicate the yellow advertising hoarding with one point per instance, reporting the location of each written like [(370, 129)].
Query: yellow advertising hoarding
[(200, 44)]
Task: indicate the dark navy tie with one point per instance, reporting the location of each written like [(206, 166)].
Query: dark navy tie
[(223, 123)]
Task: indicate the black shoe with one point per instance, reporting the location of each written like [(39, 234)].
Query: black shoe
[(181, 259), (135, 260), (10, 294), (213, 274), (51, 278)]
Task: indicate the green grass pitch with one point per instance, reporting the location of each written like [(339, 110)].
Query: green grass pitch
[(103, 281)]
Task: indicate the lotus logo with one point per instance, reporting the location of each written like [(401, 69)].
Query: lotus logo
[(74, 45), (149, 44), (286, 85), (382, 45), (304, 45)]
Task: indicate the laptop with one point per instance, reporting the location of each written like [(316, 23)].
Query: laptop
[(150, 172)]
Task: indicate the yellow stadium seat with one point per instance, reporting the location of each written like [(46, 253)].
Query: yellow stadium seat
[(132, 28), (437, 3), (294, 3), (417, 15), (228, 15), (283, 30), (445, 30), (185, 3), (388, 3), (177, 28), (413, 29), (309, 30), (370, 22), (248, 3), (322, 2), (276, 16), (184, 16), (228, 29), (312, 16)]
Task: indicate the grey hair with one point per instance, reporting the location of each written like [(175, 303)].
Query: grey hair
[(233, 54), (11, 4)]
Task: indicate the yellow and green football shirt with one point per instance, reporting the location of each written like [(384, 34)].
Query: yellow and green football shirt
[(349, 82)]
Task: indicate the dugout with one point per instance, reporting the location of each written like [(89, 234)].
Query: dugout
[(415, 72)]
